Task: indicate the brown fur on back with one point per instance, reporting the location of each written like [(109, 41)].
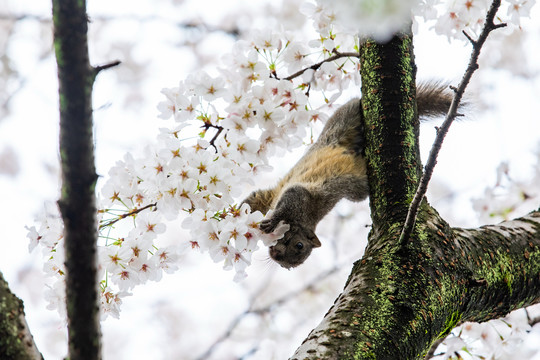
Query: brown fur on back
[(332, 169), (319, 165)]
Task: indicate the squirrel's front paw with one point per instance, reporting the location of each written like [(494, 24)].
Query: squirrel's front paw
[(268, 225)]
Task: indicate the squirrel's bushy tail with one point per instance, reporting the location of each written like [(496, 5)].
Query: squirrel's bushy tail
[(433, 98)]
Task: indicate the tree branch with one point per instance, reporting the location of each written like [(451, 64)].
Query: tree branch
[(99, 68), (392, 152), (532, 321), (403, 296), (395, 305), (489, 26), (316, 66), (16, 341), (193, 24), (433, 348), (265, 309), (219, 130), (132, 212), (77, 203)]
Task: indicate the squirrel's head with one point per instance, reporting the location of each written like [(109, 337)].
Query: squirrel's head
[(295, 246)]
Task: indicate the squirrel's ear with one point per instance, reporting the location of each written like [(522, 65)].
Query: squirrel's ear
[(315, 240)]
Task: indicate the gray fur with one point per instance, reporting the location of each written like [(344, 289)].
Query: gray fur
[(302, 205)]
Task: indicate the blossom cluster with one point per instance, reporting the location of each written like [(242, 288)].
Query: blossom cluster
[(508, 197), (269, 91), (500, 339), (225, 129), (495, 339), (452, 18), (381, 19)]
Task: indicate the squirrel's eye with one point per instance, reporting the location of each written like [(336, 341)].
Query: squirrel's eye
[(299, 245)]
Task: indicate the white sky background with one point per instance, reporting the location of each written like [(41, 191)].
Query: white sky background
[(184, 313)]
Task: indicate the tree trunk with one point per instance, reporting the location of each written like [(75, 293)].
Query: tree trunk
[(16, 341), (400, 298), (77, 203)]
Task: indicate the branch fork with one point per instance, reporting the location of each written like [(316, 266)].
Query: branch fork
[(412, 213)]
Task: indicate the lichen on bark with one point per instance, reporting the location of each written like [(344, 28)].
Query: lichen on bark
[(402, 297), (16, 341), (388, 101)]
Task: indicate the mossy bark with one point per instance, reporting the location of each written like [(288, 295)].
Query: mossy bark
[(392, 151), (77, 203), (399, 299), (16, 341)]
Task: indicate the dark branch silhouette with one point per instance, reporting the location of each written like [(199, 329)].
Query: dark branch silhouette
[(489, 26), (337, 55), (16, 341)]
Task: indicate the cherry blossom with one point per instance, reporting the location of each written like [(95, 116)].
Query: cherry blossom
[(219, 131), (518, 9)]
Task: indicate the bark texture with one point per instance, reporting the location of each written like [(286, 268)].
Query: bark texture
[(77, 203), (16, 341), (401, 297)]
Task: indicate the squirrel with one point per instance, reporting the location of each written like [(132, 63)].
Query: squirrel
[(333, 168)]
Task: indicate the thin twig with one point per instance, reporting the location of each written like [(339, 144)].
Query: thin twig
[(233, 31), (434, 346), (19, 17), (98, 68), (123, 216), (337, 55), (532, 321), (216, 135), (316, 66), (249, 353), (450, 117), (263, 310)]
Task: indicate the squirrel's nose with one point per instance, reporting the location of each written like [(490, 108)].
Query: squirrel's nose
[(275, 253)]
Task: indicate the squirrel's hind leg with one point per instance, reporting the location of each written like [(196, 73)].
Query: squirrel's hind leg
[(260, 200)]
